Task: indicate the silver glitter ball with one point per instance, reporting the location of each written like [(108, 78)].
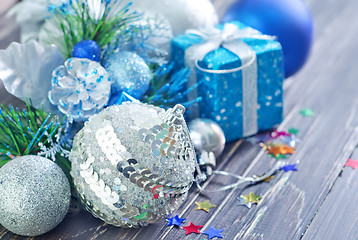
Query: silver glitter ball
[(35, 195), (207, 136), (133, 164)]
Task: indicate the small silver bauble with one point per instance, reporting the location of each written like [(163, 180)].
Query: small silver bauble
[(35, 195), (133, 164), (207, 135)]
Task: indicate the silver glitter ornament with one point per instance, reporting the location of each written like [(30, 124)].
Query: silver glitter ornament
[(35, 195), (207, 136), (133, 164)]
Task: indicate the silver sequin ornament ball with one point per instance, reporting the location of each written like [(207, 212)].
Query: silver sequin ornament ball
[(133, 164), (35, 195)]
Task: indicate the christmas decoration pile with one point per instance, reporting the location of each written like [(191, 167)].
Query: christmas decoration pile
[(107, 90)]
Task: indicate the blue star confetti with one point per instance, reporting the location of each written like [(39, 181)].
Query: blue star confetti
[(175, 221), (212, 232), (289, 167)]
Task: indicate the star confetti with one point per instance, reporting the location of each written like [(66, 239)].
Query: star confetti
[(277, 134), (242, 202), (175, 221), (290, 141), (204, 206), (307, 112), (293, 131), (248, 200), (251, 197), (278, 157), (268, 179), (191, 228), (351, 163), (212, 232), (142, 216), (280, 149), (289, 167)]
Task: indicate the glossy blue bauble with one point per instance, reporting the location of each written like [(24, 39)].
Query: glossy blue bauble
[(288, 20), (87, 49)]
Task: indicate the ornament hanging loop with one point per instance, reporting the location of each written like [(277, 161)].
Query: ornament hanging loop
[(241, 179)]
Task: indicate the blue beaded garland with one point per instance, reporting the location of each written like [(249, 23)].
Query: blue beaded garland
[(87, 49)]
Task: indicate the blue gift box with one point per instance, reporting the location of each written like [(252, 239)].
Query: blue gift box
[(225, 98)]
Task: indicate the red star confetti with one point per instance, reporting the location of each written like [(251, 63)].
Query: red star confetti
[(191, 228), (351, 163)]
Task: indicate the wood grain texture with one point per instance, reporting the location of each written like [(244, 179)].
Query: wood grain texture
[(308, 204), (337, 217)]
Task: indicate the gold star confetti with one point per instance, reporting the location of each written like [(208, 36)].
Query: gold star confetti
[(251, 198), (204, 206), (248, 200), (268, 179)]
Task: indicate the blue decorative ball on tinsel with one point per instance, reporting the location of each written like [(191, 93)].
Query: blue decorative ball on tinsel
[(87, 49), (129, 72), (288, 20)]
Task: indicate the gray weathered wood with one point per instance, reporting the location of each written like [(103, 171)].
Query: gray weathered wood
[(308, 204), (338, 215)]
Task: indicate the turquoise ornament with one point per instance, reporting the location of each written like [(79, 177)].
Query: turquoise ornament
[(80, 88), (87, 49), (129, 72)]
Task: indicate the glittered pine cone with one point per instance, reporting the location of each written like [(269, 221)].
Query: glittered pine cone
[(80, 88)]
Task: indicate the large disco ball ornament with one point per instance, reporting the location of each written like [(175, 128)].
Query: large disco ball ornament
[(133, 164)]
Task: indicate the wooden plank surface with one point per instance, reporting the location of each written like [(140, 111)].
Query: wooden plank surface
[(337, 218), (312, 203)]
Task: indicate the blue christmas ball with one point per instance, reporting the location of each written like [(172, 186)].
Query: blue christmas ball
[(288, 20), (87, 49), (129, 72)]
